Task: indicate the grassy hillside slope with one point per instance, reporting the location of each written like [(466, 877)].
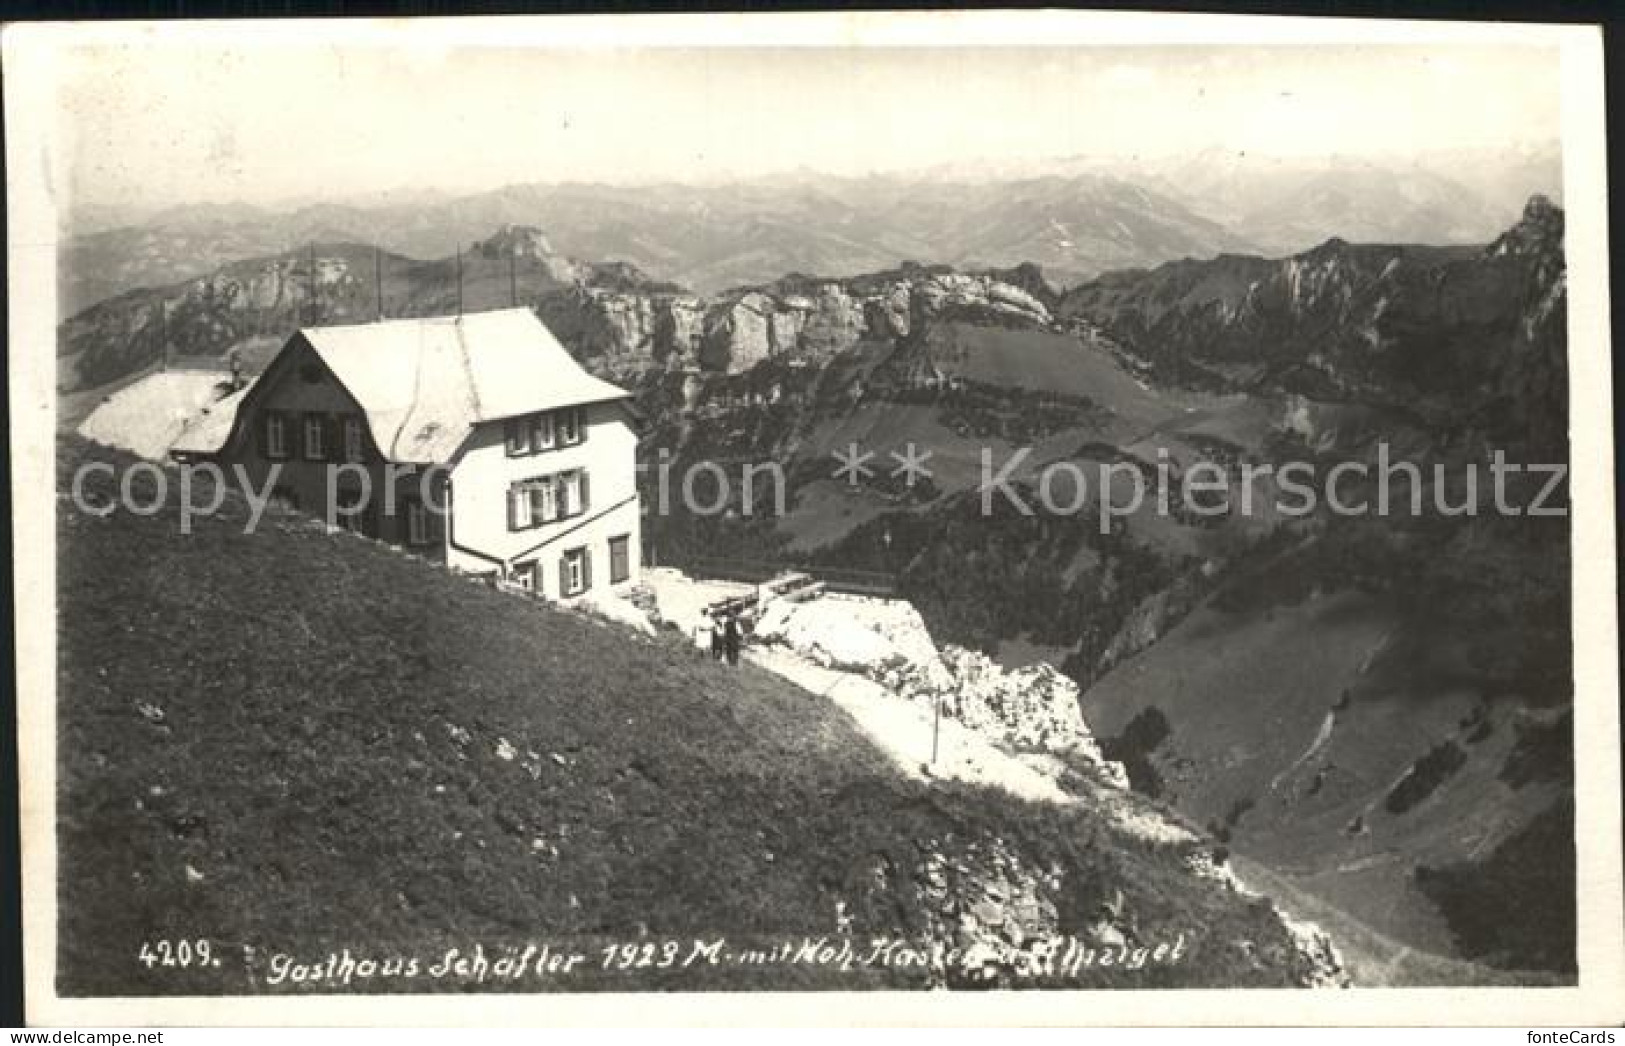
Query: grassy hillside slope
[(296, 741), (1351, 750)]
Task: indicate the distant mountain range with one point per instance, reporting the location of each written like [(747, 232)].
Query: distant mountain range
[(1076, 219)]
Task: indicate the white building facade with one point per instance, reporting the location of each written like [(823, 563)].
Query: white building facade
[(475, 439), (551, 495)]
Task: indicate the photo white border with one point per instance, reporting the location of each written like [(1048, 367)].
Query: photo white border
[(32, 143)]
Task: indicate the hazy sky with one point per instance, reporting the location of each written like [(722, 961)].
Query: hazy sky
[(164, 123)]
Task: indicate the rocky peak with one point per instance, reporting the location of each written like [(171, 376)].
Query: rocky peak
[(1029, 278), (626, 278), (1332, 248), (518, 241), (1540, 210), (1538, 234)]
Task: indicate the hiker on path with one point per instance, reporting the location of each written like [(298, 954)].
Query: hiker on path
[(731, 638)]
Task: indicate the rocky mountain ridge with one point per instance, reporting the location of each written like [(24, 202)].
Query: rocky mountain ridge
[(1413, 328), (613, 315), (801, 319)]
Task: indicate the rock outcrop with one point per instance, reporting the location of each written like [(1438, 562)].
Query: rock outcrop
[(1324, 966), (991, 910), (869, 637), (796, 318), (1033, 708)]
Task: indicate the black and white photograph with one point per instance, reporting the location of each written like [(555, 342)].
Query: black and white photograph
[(1075, 513)]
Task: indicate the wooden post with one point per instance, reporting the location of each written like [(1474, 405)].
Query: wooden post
[(513, 279), (459, 280), (936, 726), (378, 278)]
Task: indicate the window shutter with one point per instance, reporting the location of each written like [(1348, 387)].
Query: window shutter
[(581, 426), (513, 508), (586, 568), (564, 574), (332, 437), (586, 499)]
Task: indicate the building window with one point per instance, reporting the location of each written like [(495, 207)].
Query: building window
[(519, 507), (571, 431), (352, 439), (620, 558), (513, 432), (542, 434), (314, 431), (570, 501), (544, 502), (535, 433), (417, 523), (524, 575), (276, 435), (547, 499), (575, 572)]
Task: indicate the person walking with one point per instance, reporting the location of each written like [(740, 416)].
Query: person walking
[(731, 639)]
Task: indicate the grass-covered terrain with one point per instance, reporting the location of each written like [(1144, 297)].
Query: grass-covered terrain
[(297, 742)]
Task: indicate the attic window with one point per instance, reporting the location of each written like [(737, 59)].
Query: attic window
[(514, 437), (569, 427), (541, 432)]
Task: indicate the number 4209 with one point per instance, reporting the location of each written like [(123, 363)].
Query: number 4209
[(177, 953)]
